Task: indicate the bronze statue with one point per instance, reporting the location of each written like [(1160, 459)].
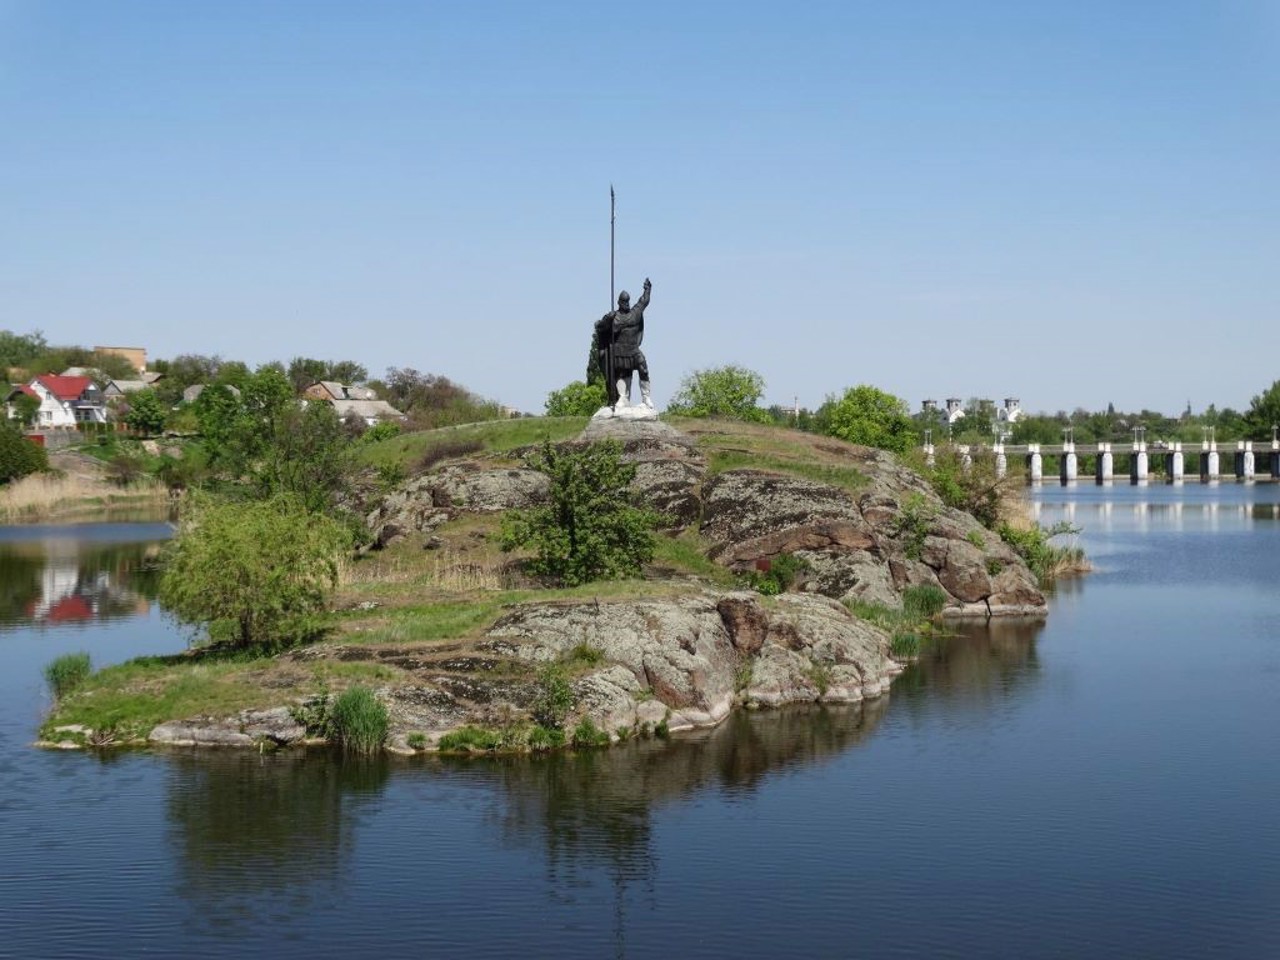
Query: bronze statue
[(618, 338)]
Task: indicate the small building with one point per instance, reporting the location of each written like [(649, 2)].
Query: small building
[(352, 401), (64, 401), (955, 409), (330, 390), (1011, 412), (118, 388)]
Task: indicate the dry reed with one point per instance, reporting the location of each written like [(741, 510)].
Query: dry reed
[(42, 495)]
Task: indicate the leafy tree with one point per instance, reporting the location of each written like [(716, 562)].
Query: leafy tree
[(869, 416), (589, 530), (25, 408), (146, 412), (18, 455), (729, 391), (433, 401), (304, 371), (576, 399), (18, 350), (1264, 412), (254, 574)]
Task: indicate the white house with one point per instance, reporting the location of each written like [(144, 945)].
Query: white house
[(64, 401)]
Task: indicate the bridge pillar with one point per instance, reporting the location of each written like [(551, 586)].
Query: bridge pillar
[(928, 454), (1275, 460), (1035, 463), (1244, 459), (1069, 464), (1208, 461), (1139, 464), (1174, 464), (1106, 463), (1002, 462), (966, 458)]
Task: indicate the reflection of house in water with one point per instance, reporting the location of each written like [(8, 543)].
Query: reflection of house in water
[(74, 586)]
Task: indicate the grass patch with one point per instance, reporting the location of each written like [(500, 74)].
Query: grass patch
[(1046, 560), (909, 627), (129, 699), (587, 734), (496, 436), (66, 673), (687, 554), (358, 721)]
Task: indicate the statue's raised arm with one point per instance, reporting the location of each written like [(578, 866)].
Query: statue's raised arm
[(644, 297)]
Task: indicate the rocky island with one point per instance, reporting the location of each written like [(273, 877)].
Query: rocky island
[(451, 635)]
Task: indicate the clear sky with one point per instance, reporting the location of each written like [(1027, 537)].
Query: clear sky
[(1075, 203)]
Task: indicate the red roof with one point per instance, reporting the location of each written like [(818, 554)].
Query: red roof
[(64, 388), (70, 608), (23, 388)]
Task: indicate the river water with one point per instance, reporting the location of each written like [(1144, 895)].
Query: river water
[(1104, 784)]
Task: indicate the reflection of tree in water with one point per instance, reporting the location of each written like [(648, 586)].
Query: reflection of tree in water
[(65, 580), (980, 664), (591, 810), (251, 825)]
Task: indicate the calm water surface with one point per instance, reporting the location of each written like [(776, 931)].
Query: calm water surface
[(1105, 784)]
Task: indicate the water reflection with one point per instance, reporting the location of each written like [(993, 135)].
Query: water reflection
[(68, 576), (977, 665), (247, 827)]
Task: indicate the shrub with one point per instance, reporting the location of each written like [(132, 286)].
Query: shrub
[(869, 416), (589, 530), (1046, 561), (358, 721), (65, 673), (576, 399), (256, 574), (729, 391), (545, 738), (587, 734), (470, 740), (554, 697), (911, 525), (18, 455), (146, 413), (416, 741), (784, 570)]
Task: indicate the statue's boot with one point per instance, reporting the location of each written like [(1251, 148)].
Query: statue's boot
[(624, 394), (646, 395)]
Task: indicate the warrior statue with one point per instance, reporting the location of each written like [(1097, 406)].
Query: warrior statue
[(618, 338)]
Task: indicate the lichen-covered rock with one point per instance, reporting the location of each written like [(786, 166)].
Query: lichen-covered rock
[(693, 656)]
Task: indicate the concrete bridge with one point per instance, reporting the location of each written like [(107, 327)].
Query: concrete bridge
[(1244, 458)]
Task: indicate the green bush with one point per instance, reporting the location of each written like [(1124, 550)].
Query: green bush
[(869, 416), (576, 399), (780, 576), (1046, 560), (256, 574), (18, 455), (545, 738), (589, 530), (729, 391), (554, 697), (587, 734), (905, 644), (65, 673), (470, 740), (358, 721)]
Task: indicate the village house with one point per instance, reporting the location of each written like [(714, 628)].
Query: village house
[(64, 401), (352, 401)]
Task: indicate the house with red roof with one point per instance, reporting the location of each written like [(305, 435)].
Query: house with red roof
[(65, 401)]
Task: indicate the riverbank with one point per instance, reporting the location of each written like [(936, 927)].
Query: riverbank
[(77, 486), (452, 635)]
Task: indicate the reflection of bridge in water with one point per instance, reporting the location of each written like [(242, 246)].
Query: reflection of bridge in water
[(1245, 457)]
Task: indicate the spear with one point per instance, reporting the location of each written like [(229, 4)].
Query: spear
[(612, 218)]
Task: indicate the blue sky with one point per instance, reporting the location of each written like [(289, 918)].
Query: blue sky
[(1073, 203)]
